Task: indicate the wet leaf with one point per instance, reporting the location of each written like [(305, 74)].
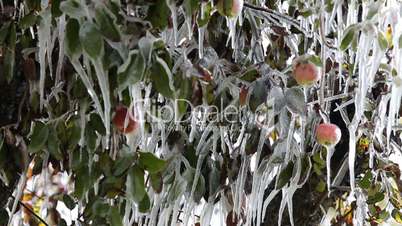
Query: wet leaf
[(91, 40), (150, 162), (285, 175), (39, 137), (135, 187)]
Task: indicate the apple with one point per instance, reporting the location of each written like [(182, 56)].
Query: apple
[(123, 120), (328, 134), (230, 8), (305, 72)]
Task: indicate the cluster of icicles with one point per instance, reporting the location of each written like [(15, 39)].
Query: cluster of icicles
[(253, 207)]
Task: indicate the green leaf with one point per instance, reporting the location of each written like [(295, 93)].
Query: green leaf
[(53, 144), (95, 122), (56, 12), (73, 8), (158, 14), (131, 71), (115, 218), (315, 60), (399, 42), (91, 137), (320, 186), (4, 32), (145, 204), (156, 182), (382, 41), (100, 208), (72, 41), (397, 216), (68, 201), (348, 37), (160, 78), (9, 53), (204, 19), (377, 197), (91, 40), (39, 137), (107, 24), (150, 162), (366, 180), (285, 175), (28, 21), (135, 188), (122, 164)]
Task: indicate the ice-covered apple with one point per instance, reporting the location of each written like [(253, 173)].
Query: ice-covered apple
[(305, 72), (230, 8), (328, 134), (123, 120)]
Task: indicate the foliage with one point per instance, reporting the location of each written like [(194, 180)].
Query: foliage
[(182, 68)]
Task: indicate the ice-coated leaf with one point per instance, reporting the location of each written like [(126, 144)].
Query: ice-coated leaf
[(150, 162), (146, 46), (160, 78), (72, 40), (95, 122), (132, 70), (285, 175), (28, 21), (158, 14), (53, 144), (377, 197), (72, 8), (9, 53), (382, 41), (295, 100), (107, 25), (135, 187), (91, 40), (200, 187), (68, 201), (348, 37), (39, 137), (258, 95)]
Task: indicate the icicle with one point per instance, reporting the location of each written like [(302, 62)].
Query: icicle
[(44, 41), (330, 152), (231, 23), (201, 34), (89, 86), (104, 85), (207, 212), (62, 26), (173, 10)]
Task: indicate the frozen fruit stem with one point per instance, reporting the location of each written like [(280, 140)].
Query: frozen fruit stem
[(305, 72), (124, 121), (230, 8)]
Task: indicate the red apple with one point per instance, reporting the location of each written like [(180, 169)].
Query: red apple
[(123, 121), (230, 8), (243, 95), (328, 134), (305, 72)]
